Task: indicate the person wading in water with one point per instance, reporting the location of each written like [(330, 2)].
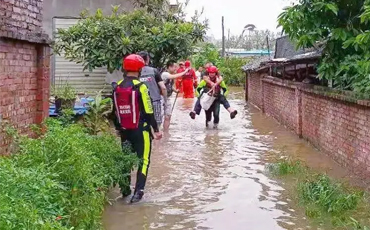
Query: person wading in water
[(189, 80), (152, 79), (213, 81), (134, 119), (168, 77)]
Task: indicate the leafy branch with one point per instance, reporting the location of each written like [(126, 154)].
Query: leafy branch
[(343, 26), (103, 40)]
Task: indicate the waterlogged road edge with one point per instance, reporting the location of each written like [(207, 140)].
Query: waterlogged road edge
[(328, 203)]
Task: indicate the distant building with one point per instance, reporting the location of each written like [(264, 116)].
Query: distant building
[(247, 53), (70, 9)]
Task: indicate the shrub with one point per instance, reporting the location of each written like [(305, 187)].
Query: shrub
[(60, 181), (96, 119), (231, 70), (230, 67)]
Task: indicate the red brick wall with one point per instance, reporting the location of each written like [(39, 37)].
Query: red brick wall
[(279, 102), (255, 89), (22, 20), (340, 128), (24, 66), (336, 124), (18, 82)]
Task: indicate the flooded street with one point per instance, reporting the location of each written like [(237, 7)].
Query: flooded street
[(215, 179)]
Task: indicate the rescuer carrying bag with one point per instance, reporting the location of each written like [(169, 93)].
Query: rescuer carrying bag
[(126, 101)]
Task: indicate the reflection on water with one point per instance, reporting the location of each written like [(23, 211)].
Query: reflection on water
[(214, 179)]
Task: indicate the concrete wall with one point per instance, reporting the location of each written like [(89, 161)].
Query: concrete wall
[(334, 122), (24, 67), (73, 8)]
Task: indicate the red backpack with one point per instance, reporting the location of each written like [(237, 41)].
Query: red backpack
[(126, 101)]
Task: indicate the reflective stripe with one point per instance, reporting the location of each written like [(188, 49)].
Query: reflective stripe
[(225, 88), (147, 102), (133, 106), (146, 154), (201, 85)]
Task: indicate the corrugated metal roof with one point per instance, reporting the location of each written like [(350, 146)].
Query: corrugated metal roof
[(64, 70), (256, 63), (285, 48), (285, 52)]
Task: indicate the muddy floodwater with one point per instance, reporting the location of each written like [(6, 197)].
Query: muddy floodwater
[(203, 178)]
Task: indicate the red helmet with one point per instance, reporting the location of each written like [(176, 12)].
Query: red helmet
[(133, 63), (187, 64), (212, 69)]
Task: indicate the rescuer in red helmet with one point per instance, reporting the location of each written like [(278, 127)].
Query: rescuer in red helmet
[(219, 90), (188, 81), (134, 120)]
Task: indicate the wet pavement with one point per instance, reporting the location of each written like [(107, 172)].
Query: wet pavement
[(215, 179)]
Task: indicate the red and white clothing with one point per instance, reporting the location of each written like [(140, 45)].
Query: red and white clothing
[(188, 81)]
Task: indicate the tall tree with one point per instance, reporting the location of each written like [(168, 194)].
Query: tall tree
[(343, 27), (103, 40)]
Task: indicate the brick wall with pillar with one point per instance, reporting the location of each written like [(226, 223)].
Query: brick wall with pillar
[(333, 121), (24, 67)]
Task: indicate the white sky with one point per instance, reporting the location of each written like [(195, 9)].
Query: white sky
[(238, 13)]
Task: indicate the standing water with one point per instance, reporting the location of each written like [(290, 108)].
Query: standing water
[(203, 178)]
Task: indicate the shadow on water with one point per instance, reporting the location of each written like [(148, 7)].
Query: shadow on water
[(214, 179)]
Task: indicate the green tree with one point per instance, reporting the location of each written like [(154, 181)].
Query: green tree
[(231, 70), (342, 26), (103, 40), (205, 52), (229, 67)]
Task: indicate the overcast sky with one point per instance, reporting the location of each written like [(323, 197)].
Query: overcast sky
[(238, 13)]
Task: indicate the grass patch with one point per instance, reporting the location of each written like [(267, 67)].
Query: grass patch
[(330, 196), (325, 201), (286, 166), (60, 180)]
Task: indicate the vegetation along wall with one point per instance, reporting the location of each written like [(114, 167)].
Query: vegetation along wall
[(333, 121)]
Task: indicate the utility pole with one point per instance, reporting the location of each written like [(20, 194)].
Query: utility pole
[(268, 45), (223, 38), (228, 46)]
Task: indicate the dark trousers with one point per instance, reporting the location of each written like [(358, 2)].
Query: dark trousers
[(138, 141), (220, 98), (215, 109)]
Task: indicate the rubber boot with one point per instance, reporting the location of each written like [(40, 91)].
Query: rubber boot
[(137, 196), (215, 126)]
